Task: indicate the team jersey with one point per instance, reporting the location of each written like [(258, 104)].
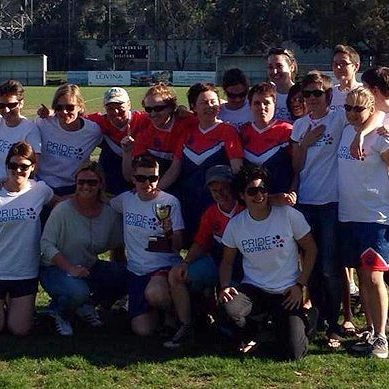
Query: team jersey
[(110, 158), (269, 147), (212, 225)]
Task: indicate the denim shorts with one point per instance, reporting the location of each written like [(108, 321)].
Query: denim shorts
[(137, 303), (18, 288), (364, 245)]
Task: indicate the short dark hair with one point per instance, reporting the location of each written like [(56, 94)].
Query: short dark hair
[(195, 90), (12, 88), (350, 51), (317, 77), (293, 91), (289, 57), (264, 88), (249, 173), (377, 77), (21, 149), (145, 160), (234, 76)]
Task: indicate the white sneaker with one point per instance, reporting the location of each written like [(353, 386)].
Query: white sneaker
[(62, 325), (89, 314)]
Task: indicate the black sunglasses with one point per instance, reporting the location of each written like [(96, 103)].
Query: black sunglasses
[(156, 108), (142, 178), (90, 182), (355, 108), (64, 107), (10, 106), (254, 190), (240, 95), (315, 93), (21, 166)]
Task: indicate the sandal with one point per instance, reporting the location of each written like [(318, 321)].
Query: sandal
[(334, 341)]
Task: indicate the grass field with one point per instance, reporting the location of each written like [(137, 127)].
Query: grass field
[(114, 358)]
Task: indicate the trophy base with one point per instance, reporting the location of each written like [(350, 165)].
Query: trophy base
[(159, 244)]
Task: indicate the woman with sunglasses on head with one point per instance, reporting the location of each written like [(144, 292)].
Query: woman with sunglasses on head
[(209, 142), (21, 201), (162, 136), (77, 231), (236, 110), (68, 140), (147, 237), (13, 126), (269, 238), (282, 71)]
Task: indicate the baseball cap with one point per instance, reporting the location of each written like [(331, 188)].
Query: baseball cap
[(218, 173), (116, 95)]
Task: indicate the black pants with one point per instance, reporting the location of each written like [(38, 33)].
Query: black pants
[(289, 325)]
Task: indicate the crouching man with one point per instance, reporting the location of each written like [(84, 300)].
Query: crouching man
[(269, 238)]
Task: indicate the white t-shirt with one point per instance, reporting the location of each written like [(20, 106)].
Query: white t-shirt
[(63, 152), (319, 177), (20, 230), (236, 117), (26, 130), (363, 184), (139, 223), (282, 112), (339, 97), (269, 248)]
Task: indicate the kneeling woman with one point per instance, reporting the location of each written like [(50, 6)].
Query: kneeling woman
[(268, 238), (21, 201), (77, 231)]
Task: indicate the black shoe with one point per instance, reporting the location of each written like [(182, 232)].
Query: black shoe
[(311, 317)]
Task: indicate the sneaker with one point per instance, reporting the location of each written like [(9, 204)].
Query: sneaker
[(182, 336), (62, 325), (89, 314), (380, 348)]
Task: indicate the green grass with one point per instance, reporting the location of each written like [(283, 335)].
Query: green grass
[(36, 95), (114, 358)]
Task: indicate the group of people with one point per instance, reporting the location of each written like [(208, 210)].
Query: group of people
[(264, 202)]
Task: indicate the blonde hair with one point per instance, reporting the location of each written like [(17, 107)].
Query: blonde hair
[(167, 94), (362, 96), (71, 90)]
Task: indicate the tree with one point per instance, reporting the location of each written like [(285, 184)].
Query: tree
[(361, 23)]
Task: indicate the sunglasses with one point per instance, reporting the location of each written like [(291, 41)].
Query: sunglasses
[(64, 107), (315, 93), (240, 95), (21, 166), (254, 190), (10, 106), (156, 108), (90, 182), (355, 108), (341, 65), (142, 178)]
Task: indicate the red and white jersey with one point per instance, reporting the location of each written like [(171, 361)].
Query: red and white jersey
[(202, 144), (213, 223), (163, 143), (261, 144)]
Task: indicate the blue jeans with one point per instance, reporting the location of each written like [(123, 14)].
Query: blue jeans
[(325, 284), (106, 283)]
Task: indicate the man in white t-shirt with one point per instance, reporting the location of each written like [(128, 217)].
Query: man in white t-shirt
[(148, 262), (345, 65), (269, 238), (236, 110)]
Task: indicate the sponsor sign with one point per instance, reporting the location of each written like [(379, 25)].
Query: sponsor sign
[(191, 77), (110, 78)]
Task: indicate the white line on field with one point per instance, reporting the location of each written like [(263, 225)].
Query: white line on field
[(96, 98)]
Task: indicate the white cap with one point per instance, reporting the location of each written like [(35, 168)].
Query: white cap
[(116, 95)]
